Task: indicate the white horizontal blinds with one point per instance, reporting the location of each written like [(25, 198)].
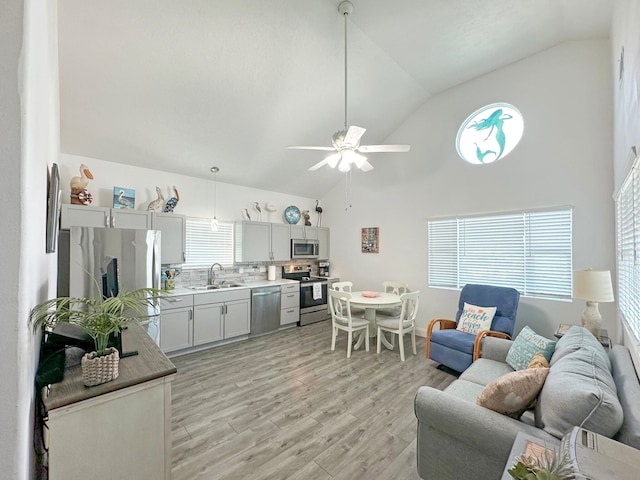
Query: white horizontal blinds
[(491, 251), (627, 250), (528, 251), (443, 253), (548, 255), (205, 247)]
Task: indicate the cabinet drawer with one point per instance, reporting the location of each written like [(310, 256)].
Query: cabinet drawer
[(290, 300), (176, 301), (289, 315), (290, 287)]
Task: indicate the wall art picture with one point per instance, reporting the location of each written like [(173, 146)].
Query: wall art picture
[(370, 240), (124, 198)]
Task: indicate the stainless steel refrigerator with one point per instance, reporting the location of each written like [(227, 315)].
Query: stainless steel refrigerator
[(96, 262)]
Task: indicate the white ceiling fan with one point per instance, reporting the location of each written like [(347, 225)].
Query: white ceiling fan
[(346, 148)]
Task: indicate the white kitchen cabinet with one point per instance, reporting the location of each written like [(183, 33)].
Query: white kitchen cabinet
[(103, 217), (323, 241), (289, 303), (280, 242), (303, 232), (221, 315), (173, 236), (261, 242), (208, 323), (176, 318)]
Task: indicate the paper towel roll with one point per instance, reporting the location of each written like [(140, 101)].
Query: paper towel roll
[(271, 273)]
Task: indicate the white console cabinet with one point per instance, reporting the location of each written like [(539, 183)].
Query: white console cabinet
[(120, 429)]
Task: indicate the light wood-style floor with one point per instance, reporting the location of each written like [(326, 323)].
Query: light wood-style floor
[(284, 406)]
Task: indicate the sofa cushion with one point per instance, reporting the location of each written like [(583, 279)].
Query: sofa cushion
[(468, 391), (474, 319), (484, 371), (628, 387), (511, 393), (526, 345), (579, 390)]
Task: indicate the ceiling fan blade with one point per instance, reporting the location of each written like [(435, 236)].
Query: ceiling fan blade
[(321, 163), (366, 166), (353, 135), (383, 148), (303, 147)]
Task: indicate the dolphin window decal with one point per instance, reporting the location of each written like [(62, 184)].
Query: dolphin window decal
[(490, 133)]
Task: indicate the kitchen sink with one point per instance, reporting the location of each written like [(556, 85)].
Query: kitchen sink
[(216, 287)]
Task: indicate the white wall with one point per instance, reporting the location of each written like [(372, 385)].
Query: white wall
[(30, 134), (564, 158), (626, 102), (196, 194)]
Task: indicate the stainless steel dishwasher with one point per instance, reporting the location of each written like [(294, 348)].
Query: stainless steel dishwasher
[(265, 310)]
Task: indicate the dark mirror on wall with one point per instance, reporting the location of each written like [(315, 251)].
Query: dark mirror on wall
[(53, 209)]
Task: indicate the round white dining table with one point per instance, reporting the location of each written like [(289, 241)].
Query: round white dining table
[(370, 305)]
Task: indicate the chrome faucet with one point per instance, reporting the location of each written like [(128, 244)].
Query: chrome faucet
[(212, 274)]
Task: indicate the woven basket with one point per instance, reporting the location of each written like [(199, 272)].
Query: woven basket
[(103, 369)]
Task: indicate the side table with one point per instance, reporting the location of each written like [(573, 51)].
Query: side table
[(529, 444), (604, 335)]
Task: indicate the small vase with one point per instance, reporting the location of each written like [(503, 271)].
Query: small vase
[(100, 369)]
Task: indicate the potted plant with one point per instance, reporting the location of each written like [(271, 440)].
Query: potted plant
[(99, 318), (551, 465)]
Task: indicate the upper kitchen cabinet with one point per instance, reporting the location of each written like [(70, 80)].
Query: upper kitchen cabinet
[(102, 217), (261, 242), (172, 237), (323, 241), (302, 232)]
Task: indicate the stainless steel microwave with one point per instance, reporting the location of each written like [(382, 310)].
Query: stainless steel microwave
[(305, 248)]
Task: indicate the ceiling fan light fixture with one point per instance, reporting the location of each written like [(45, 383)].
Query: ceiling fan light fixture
[(345, 165), (333, 159)]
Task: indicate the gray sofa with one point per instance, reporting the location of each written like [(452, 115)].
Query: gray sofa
[(586, 386)]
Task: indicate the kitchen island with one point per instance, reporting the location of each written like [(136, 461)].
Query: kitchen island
[(122, 427)]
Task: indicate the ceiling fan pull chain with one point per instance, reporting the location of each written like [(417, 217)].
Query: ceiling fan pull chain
[(347, 191)]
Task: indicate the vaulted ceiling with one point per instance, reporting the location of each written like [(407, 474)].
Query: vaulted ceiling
[(181, 86)]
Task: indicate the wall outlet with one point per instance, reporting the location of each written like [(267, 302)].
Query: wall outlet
[(263, 269), (240, 270)]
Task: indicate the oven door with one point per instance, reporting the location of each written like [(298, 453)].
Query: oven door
[(312, 297)]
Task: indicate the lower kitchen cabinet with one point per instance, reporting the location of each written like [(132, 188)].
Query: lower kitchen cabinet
[(176, 317), (207, 323), (220, 315), (290, 304)]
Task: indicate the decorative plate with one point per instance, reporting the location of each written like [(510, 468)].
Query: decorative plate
[(292, 214), (371, 294)]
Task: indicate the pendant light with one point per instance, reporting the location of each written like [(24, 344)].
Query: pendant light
[(214, 220)]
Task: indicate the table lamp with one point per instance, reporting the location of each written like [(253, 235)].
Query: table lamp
[(594, 286)]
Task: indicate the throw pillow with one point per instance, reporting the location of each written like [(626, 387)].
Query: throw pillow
[(538, 361), (526, 345), (475, 319), (511, 394)]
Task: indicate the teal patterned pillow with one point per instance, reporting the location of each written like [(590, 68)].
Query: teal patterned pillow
[(526, 345)]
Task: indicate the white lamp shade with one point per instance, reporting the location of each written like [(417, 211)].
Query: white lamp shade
[(593, 285)]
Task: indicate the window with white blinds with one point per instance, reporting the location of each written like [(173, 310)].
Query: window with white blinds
[(529, 251), (205, 247), (628, 250)]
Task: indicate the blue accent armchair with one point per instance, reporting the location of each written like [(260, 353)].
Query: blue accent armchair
[(458, 350)]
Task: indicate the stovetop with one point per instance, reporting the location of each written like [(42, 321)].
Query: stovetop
[(302, 273)]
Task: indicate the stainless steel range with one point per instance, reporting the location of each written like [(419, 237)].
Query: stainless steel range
[(313, 293)]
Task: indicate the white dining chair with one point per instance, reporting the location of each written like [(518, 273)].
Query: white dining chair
[(404, 323), (341, 319), (347, 287), (395, 288)]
